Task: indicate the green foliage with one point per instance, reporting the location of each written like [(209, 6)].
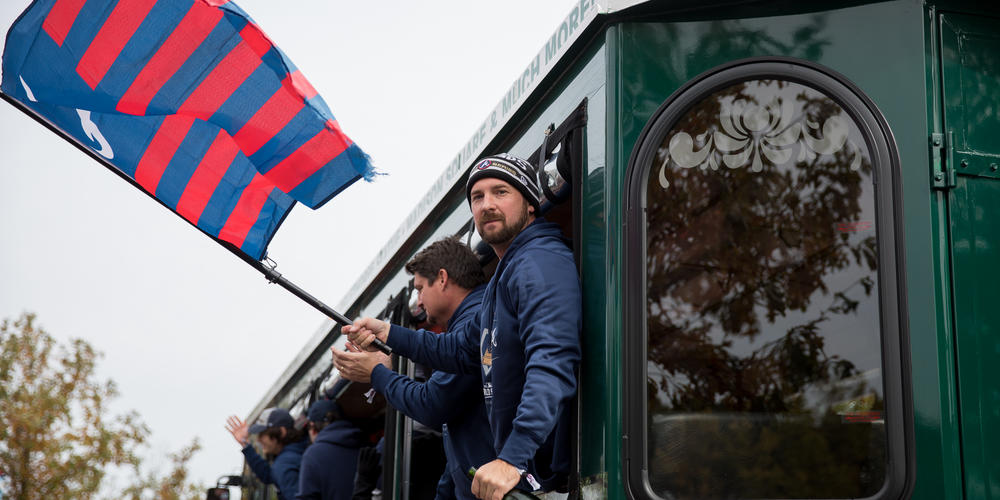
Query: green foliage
[(57, 438), (173, 486)]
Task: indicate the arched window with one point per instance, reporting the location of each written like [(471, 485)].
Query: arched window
[(764, 340)]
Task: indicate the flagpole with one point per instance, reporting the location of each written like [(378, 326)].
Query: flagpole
[(273, 276), (269, 272)]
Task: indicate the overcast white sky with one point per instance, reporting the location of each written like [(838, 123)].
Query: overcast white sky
[(190, 333)]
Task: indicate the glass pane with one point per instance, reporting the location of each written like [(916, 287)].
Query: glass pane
[(764, 357)]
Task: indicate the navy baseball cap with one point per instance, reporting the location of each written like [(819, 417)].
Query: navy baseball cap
[(319, 410), (272, 417)]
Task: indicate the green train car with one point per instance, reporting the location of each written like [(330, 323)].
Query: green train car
[(782, 213)]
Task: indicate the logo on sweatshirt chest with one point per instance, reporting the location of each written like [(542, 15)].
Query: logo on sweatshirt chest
[(487, 343)]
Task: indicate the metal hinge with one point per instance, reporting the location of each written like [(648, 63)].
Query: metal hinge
[(942, 161)]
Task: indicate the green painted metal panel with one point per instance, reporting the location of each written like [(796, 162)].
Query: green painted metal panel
[(939, 463), (970, 72), (611, 185), (975, 204)]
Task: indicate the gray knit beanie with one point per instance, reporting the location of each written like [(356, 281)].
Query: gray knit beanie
[(517, 172)]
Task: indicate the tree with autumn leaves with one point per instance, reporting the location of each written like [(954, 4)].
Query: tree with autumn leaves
[(57, 436)]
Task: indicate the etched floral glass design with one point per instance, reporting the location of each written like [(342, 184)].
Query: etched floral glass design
[(764, 366)]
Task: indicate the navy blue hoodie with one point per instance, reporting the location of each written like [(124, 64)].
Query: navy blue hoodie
[(451, 402), (328, 466), (284, 472), (527, 351)]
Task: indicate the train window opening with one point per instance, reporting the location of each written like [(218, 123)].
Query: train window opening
[(758, 278), (559, 161)]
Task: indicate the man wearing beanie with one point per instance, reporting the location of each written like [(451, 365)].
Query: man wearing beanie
[(528, 349)]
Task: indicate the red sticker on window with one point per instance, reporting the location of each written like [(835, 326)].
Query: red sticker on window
[(855, 226), (862, 417)]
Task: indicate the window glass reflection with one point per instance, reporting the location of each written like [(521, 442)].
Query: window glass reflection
[(764, 357)]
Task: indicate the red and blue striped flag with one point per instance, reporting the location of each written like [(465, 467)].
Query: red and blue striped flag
[(191, 100)]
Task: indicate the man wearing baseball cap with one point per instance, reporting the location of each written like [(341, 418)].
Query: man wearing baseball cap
[(328, 466), (279, 439), (528, 349)]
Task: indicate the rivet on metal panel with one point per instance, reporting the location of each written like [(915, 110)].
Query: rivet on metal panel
[(993, 167), (964, 163)]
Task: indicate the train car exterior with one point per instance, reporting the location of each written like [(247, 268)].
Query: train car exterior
[(782, 213)]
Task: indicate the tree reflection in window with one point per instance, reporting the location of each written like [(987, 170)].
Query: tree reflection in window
[(764, 359)]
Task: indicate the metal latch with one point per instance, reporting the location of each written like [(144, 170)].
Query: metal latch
[(942, 161)]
